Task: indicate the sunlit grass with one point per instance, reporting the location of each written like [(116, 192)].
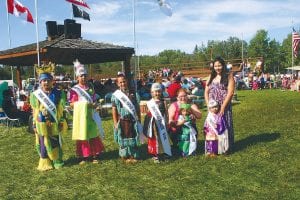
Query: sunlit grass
[(264, 165)]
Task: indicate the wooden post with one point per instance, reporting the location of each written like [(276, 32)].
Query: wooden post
[(130, 80), (128, 74), (18, 77)]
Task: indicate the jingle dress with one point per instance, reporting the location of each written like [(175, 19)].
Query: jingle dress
[(126, 133)]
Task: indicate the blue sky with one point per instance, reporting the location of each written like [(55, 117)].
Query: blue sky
[(193, 22)]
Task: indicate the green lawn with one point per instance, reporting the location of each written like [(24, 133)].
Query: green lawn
[(265, 163)]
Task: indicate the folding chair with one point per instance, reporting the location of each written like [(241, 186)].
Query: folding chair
[(107, 105), (10, 122), (3, 117), (13, 122)]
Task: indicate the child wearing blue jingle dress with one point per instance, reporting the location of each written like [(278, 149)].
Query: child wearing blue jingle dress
[(216, 134)]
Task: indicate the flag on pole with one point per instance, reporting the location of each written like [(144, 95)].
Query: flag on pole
[(79, 3), (296, 42), (77, 12), (16, 8), (165, 7)]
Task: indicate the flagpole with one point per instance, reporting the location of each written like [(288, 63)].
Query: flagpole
[(9, 40), (134, 40), (292, 50), (37, 37), (243, 63), (71, 11)]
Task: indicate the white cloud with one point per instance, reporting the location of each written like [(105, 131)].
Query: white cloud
[(105, 9), (193, 21)]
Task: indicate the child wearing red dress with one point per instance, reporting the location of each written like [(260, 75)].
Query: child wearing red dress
[(155, 126)]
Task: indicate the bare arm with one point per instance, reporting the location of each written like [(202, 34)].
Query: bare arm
[(196, 112), (230, 93), (206, 91), (171, 113), (115, 116)]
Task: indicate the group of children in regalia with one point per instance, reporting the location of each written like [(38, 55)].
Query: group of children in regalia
[(155, 129), (48, 104)]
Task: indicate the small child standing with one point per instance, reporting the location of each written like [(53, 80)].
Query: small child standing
[(155, 125), (187, 140), (216, 134)]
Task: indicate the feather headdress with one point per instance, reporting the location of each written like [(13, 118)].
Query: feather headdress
[(79, 68), (45, 71)]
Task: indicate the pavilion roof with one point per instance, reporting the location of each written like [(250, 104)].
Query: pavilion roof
[(64, 51)]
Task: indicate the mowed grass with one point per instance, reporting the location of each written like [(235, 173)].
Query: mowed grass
[(265, 163)]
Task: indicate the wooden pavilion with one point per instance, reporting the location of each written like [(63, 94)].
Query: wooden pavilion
[(62, 49)]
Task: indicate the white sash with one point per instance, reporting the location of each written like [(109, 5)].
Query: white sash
[(149, 131), (160, 123), (96, 117), (223, 143), (127, 104), (47, 103), (82, 93), (211, 118), (193, 139)]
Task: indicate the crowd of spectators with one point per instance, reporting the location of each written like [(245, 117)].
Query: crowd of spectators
[(171, 81)]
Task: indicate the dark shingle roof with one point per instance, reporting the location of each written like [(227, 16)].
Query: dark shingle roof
[(64, 51)]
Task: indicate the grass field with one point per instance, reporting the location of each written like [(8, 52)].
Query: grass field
[(265, 163)]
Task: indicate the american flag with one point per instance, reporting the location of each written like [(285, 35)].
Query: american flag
[(296, 42)]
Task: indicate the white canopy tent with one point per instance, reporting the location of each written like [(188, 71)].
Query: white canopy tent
[(10, 83), (295, 68)]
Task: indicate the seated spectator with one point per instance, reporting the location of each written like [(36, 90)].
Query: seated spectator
[(10, 108), (166, 82), (99, 88), (197, 89), (185, 85), (174, 87), (143, 90), (109, 86)]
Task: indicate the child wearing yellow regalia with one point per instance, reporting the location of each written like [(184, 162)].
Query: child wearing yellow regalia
[(48, 103)]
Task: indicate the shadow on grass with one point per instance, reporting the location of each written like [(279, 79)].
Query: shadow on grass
[(255, 139), (114, 154), (143, 151), (110, 155)]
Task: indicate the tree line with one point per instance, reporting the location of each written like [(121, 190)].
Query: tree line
[(276, 55)]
